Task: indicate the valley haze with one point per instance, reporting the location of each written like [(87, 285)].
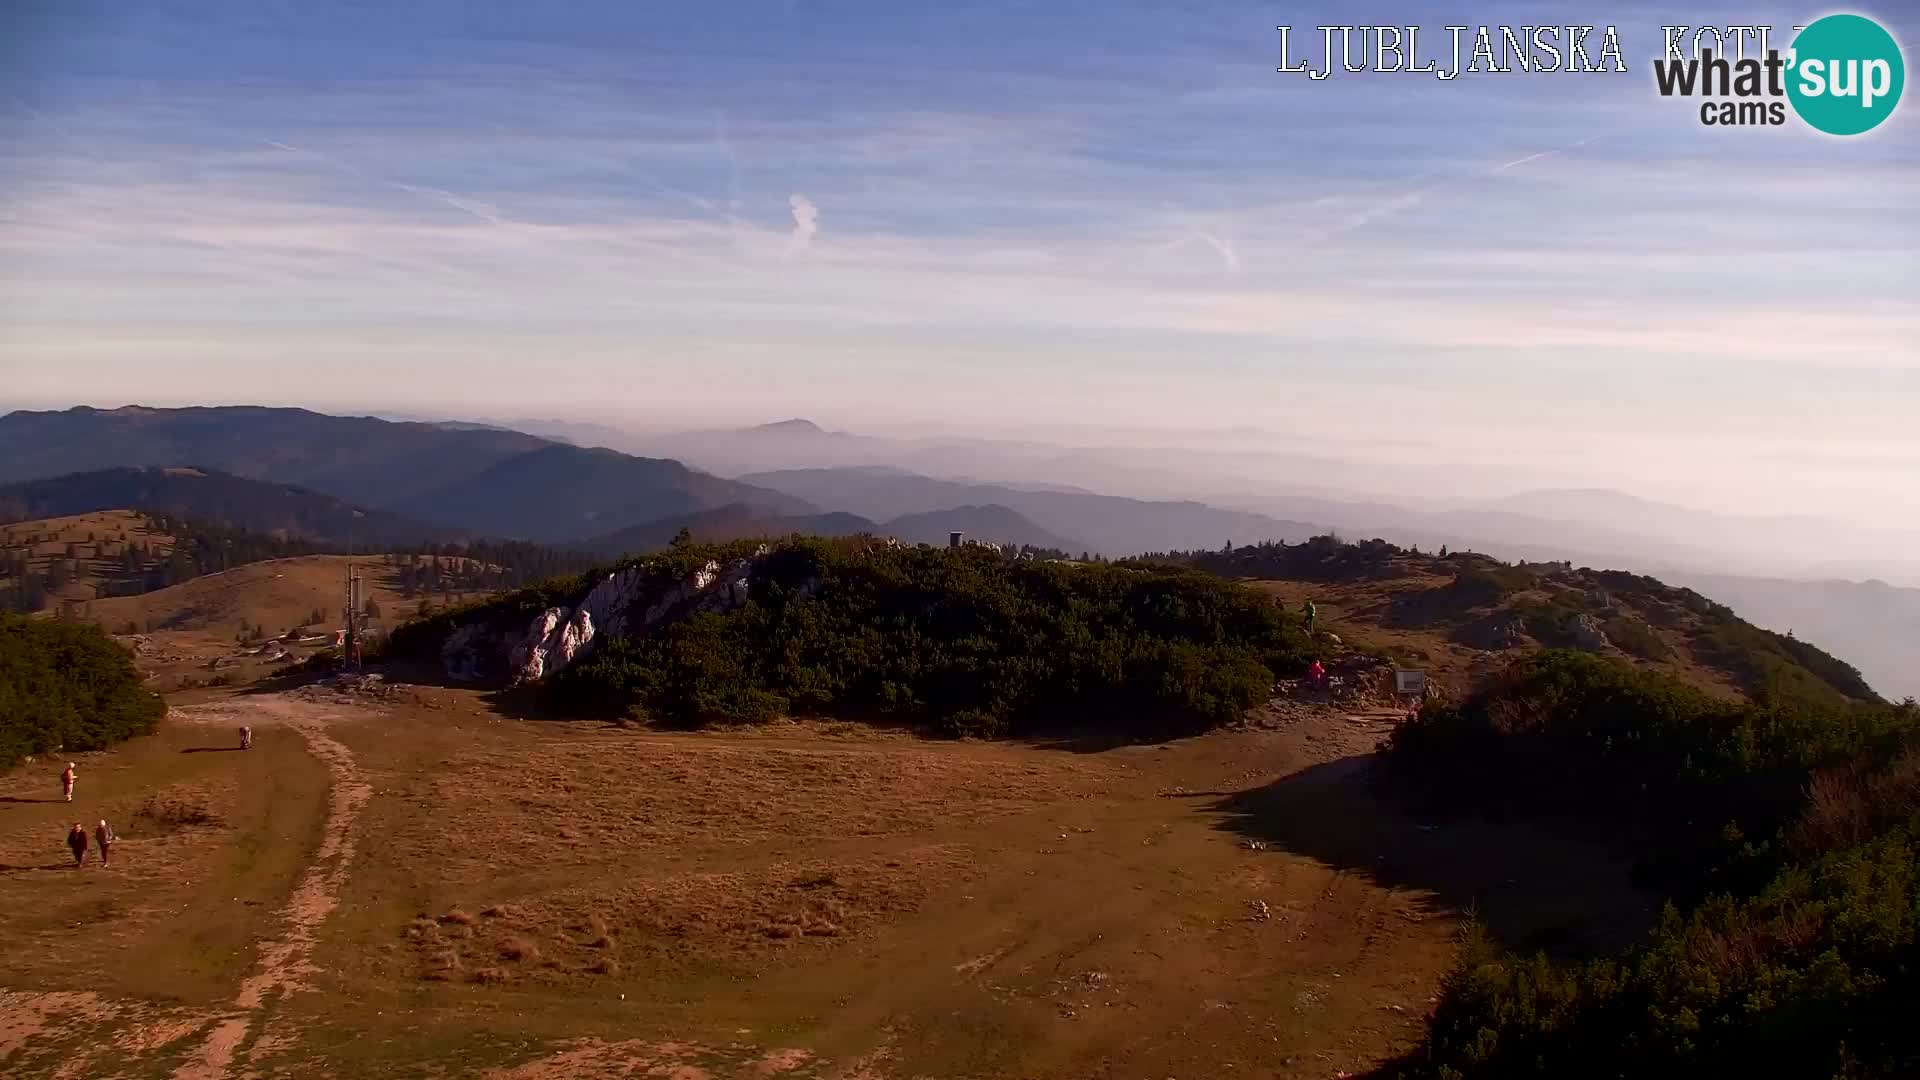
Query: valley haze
[(597, 487), (861, 541)]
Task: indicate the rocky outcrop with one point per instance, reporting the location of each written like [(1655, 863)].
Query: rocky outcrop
[(618, 606), (555, 637), (1587, 633)]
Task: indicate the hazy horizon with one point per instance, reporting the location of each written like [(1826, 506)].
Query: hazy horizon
[(1000, 221)]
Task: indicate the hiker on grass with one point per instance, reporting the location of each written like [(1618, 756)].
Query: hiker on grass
[(67, 777), (104, 836), (1311, 612), (246, 738), (1317, 676), (77, 843)]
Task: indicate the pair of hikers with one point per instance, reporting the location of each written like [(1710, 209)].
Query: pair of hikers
[(103, 835)]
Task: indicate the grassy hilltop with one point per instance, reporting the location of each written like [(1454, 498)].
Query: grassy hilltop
[(971, 642)]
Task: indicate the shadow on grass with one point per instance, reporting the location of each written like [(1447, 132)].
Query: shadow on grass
[(1094, 741), (14, 868), (1531, 888), (24, 799), (279, 684), (212, 749), (528, 703)]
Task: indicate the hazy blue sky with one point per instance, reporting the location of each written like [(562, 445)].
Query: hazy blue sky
[(961, 216)]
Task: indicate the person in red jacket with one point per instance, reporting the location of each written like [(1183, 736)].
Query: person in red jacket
[(67, 777), (1317, 676)]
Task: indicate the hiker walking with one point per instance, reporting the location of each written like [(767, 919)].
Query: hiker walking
[(77, 843), (246, 738), (104, 836), (67, 777), (1311, 612), (1317, 675)]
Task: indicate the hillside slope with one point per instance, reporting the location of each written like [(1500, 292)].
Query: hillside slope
[(480, 480), (1872, 623), (357, 458), (76, 557), (559, 493), (966, 639), (1465, 616), (274, 596), (216, 498)]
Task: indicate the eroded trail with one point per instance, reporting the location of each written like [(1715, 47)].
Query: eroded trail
[(287, 959)]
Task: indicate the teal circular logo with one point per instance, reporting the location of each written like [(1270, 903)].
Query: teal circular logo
[(1845, 74)]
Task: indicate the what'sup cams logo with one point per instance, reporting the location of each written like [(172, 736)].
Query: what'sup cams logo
[(1842, 75)]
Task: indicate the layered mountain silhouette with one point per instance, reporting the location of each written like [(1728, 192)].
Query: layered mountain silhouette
[(735, 521), (557, 493), (1105, 524), (997, 524), (482, 480), (217, 498)]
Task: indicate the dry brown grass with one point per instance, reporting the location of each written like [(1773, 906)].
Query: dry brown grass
[(818, 901), (210, 844), (100, 538), (519, 950), (277, 595), (607, 800), (174, 810), (1446, 641)]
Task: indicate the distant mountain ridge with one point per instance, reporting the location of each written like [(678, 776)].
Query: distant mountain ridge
[(994, 524), (1104, 524), (735, 521), (479, 479), (363, 460), (217, 498), (795, 426), (558, 493)]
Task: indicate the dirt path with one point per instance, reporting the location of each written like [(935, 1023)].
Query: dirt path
[(286, 960)]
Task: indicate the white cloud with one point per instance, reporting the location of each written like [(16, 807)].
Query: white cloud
[(806, 222)]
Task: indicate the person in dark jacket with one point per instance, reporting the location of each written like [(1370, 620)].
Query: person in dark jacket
[(103, 835), (77, 843)]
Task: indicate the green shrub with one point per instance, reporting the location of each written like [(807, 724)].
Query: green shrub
[(67, 685), (1636, 637), (964, 640), (1785, 831)]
